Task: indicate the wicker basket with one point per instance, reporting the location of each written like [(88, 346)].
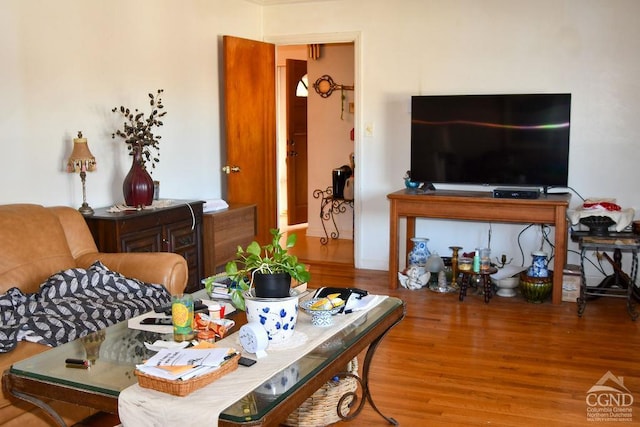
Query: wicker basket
[(183, 388), (321, 408)]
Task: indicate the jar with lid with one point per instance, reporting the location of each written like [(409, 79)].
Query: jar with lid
[(207, 335)]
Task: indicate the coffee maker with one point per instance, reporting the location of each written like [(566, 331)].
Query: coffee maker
[(340, 176)]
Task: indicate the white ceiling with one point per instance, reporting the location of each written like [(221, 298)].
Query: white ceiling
[(272, 2)]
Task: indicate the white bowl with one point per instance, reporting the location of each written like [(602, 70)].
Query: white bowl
[(506, 287)]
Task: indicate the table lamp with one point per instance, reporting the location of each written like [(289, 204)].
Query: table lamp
[(81, 160)]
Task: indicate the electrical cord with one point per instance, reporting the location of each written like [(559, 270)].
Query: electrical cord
[(546, 233), (520, 245), (193, 217)]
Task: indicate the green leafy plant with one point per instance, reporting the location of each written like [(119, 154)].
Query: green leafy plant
[(266, 259), (138, 129)]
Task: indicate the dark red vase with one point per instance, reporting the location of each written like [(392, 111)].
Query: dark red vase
[(138, 185)]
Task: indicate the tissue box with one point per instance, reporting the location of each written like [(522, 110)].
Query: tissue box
[(571, 278)]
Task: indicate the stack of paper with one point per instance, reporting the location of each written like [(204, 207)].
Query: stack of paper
[(183, 364), (220, 292), (214, 205)]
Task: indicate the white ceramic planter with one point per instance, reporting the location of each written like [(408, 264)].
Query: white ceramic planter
[(278, 316)]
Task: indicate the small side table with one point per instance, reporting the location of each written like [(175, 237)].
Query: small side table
[(329, 207), (622, 289), (485, 279)]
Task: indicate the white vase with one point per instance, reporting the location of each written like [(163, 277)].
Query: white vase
[(278, 316), (419, 253)]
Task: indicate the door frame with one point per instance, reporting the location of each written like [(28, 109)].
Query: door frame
[(341, 37)]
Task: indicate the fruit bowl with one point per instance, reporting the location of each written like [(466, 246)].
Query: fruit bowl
[(319, 317)]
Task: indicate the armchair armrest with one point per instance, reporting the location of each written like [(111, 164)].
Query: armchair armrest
[(164, 268)]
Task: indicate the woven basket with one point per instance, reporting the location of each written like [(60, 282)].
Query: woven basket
[(183, 388), (321, 408)]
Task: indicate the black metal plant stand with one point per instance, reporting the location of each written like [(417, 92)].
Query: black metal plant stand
[(329, 207)]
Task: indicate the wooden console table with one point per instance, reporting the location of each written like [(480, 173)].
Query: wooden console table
[(478, 206)]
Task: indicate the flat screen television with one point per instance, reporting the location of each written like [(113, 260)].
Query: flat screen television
[(514, 140)]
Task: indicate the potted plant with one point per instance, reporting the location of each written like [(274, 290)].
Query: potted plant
[(138, 134), (268, 268)]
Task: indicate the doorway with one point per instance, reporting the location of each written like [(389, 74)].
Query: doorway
[(329, 134)]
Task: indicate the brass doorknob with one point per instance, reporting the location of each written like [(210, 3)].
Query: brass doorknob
[(228, 169)]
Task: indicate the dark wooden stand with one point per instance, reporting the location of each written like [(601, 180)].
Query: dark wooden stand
[(484, 279)]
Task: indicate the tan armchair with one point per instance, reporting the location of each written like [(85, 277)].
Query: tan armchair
[(36, 242)]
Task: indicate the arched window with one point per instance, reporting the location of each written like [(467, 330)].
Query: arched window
[(302, 88)]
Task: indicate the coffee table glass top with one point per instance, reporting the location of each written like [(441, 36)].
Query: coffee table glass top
[(116, 350)]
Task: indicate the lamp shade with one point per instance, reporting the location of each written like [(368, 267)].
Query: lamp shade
[(81, 158)]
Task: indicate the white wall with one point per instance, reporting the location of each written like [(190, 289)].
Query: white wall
[(66, 63), (329, 130), (590, 48)]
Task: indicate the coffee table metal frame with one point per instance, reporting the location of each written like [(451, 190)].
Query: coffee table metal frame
[(25, 382)]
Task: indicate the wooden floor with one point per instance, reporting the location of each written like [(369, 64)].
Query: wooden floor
[(337, 252), (506, 363)]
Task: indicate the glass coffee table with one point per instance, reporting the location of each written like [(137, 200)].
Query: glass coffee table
[(116, 350)]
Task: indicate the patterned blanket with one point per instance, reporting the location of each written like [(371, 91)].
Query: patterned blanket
[(74, 303)]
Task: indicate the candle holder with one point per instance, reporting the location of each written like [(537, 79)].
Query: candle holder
[(454, 265)]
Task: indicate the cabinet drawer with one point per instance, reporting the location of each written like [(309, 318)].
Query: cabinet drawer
[(193, 264), (182, 237), (144, 241)]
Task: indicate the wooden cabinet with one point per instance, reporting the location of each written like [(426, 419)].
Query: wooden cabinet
[(224, 230), (175, 228)]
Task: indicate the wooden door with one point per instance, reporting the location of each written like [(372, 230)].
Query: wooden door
[(297, 191), (250, 124)]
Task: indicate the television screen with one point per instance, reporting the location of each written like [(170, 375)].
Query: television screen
[(513, 140)]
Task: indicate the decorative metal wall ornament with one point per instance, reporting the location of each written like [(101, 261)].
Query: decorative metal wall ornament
[(325, 86)]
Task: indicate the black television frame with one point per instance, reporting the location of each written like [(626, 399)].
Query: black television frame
[(507, 140)]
